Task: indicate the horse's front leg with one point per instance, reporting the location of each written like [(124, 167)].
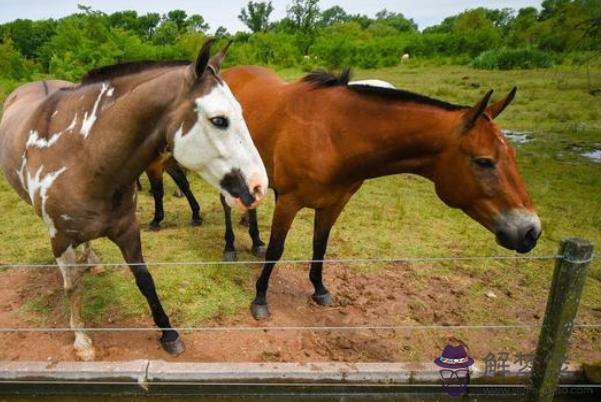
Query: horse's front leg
[(324, 220), (229, 252), (73, 286), (258, 247), (283, 215), (126, 236)]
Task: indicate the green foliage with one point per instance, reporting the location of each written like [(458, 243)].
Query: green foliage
[(306, 38), (12, 64), (512, 59), (256, 15)]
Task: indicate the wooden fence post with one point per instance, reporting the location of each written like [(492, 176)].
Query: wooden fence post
[(562, 305)]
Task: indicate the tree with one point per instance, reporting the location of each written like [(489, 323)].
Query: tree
[(396, 20), (256, 15), (178, 17), (196, 23), (333, 15), (304, 14)]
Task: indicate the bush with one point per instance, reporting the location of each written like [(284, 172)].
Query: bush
[(508, 59)]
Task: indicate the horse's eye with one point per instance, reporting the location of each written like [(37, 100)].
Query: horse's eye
[(485, 163), (219, 121)]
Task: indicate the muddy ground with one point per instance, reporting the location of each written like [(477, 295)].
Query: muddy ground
[(393, 295)]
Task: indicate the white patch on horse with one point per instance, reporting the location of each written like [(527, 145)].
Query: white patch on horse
[(110, 92), (73, 123), (54, 114), (21, 171), (373, 83), (214, 152), (36, 141), (42, 184), (66, 217), (89, 120)]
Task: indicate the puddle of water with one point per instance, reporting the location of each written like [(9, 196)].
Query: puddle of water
[(517, 137), (595, 156)]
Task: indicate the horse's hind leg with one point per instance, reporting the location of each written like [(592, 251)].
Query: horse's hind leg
[(179, 177), (90, 257), (73, 283), (155, 177)]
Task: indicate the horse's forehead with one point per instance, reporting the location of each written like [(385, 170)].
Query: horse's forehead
[(218, 99)]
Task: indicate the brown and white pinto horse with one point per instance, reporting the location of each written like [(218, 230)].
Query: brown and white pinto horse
[(74, 152), (321, 138)]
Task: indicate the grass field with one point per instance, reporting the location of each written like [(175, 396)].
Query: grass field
[(392, 217)]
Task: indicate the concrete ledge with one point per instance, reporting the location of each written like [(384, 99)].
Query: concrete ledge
[(154, 376)]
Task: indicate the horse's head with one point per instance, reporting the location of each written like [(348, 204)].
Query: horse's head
[(477, 173), (210, 136)]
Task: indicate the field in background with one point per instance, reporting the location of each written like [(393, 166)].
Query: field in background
[(397, 216)]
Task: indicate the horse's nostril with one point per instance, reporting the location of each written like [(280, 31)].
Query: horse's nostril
[(258, 190), (531, 235)]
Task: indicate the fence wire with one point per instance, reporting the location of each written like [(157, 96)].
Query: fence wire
[(409, 260), (292, 328), (402, 260)]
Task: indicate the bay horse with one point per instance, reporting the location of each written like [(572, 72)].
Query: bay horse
[(73, 152), (321, 138)]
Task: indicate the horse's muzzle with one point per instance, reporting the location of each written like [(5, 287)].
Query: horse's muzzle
[(518, 230), (240, 193)]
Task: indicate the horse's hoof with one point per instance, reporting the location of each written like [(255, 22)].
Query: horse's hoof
[(259, 251), (154, 226), (323, 300), (86, 354), (175, 347), (196, 222), (259, 311), (230, 256)]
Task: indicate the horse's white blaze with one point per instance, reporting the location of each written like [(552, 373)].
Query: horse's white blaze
[(373, 83), (36, 141), (214, 152), (42, 184), (89, 120), (54, 114)]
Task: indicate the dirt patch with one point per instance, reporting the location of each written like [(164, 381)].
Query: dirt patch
[(394, 295)]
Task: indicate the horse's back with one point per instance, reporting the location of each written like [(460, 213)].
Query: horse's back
[(20, 112)]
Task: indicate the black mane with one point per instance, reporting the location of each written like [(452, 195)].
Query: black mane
[(325, 79), (122, 69)]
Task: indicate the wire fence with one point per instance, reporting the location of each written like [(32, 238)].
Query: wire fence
[(402, 260), (258, 328)]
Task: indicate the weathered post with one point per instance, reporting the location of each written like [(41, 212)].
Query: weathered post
[(562, 305)]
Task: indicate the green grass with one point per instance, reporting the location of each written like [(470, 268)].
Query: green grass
[(391, 217)]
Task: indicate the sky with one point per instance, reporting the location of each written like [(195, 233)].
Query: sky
[(225, 12)]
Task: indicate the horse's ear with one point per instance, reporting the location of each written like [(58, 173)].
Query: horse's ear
[(472, 115), (496, 108), (216, 60), (202, 61)]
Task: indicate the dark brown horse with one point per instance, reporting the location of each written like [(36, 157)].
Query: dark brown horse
[(321, 138), (73, 152)]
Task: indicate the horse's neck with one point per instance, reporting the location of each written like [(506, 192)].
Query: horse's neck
[(389, 137), (136, 123)]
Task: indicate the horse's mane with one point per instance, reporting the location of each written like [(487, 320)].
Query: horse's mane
[(122, 69), (325, 79)]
